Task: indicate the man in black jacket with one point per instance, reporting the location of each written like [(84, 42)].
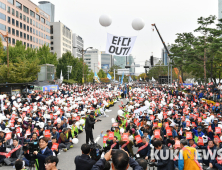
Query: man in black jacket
[(162, 164), (84, 161), (90, 121)]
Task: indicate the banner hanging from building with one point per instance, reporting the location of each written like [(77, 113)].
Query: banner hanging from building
[(119, 45)]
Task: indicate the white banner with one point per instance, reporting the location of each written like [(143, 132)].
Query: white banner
[(137, 111), (119, 46)]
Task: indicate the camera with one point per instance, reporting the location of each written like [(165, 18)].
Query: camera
[(31, 147)]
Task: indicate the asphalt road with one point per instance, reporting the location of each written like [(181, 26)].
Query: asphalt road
[(66, 159)]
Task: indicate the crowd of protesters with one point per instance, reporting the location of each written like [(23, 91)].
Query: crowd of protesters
[(153, 117)]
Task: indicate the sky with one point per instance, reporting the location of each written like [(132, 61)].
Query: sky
[(170, 16)]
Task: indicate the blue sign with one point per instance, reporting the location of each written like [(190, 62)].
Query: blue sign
[(186, 84), (50, 87)]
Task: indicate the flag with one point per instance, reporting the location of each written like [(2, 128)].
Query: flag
[(181, 132), (130, 79), (96, 78), (108, 76), (140, 79), (153, 79), (119, 78), (61, 77), (122, 78)]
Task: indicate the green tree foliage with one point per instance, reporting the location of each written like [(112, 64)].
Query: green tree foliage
[(200, 55), (90, 76), (45, 56), (76, 74), (23, 65), (101, 74)]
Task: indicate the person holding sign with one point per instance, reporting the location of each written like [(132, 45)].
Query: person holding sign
[(126, 144), (143, 148)]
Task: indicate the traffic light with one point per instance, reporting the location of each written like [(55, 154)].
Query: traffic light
[(151, 60), (127, 67)]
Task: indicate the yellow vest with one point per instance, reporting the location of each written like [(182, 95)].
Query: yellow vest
[(189, 154)]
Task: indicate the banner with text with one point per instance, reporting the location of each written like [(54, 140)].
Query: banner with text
[(119, 46)]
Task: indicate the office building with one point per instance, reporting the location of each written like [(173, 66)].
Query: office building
[(49, 8), (77, 41), (61, 38), (164, 55), (122, 61), (93, 59), (219, 9), (106, 61), (25, 22)]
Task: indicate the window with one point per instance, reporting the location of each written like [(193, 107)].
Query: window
[(2, 5), (17, 23), (11, 2), (25, 9), (37, 40), (28, 19), (24, 26), (37, 33), (30, 29), (27, 37), (27, 44), (13, 21), (37, 17), (13, 11), (33, 31), (24, 35), (51, 29), (27, 28), (32, 13), (33, 39), (31, 45), (20, 25), (13, 31), (18, 5), (33, 22), (30, 38), (51, 48), (24, 18), (43, 20), (9, 30), (9, 20), (8, 9), (13, 41), (17, 14), (20, 34), (9, 40), (51, 42), (17, 33), (20, 15), (37, 24), (2, 16), (51, 37)]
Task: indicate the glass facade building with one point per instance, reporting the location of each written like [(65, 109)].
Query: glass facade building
[(49, 8), (106, 61)]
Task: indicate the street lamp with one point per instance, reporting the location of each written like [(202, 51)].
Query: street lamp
[(5, 36), (83, 52)]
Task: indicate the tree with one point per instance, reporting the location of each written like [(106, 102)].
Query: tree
[(90, 76), (101, 74), (45, 56), (77, 67)]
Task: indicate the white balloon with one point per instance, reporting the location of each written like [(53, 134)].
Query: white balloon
[(75, 140), (113, 120), (138, 24), (82, 121), (105, 20), (121, 130)]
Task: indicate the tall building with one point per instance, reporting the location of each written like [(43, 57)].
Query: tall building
[(219, 9), (77, 41), (106, 61), (24, 21), (93, 59), (164, 55), (122, 61), (61, 38), (130, 61), (49, 8)]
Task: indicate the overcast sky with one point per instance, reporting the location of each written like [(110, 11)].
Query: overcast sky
[(170, 16)]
